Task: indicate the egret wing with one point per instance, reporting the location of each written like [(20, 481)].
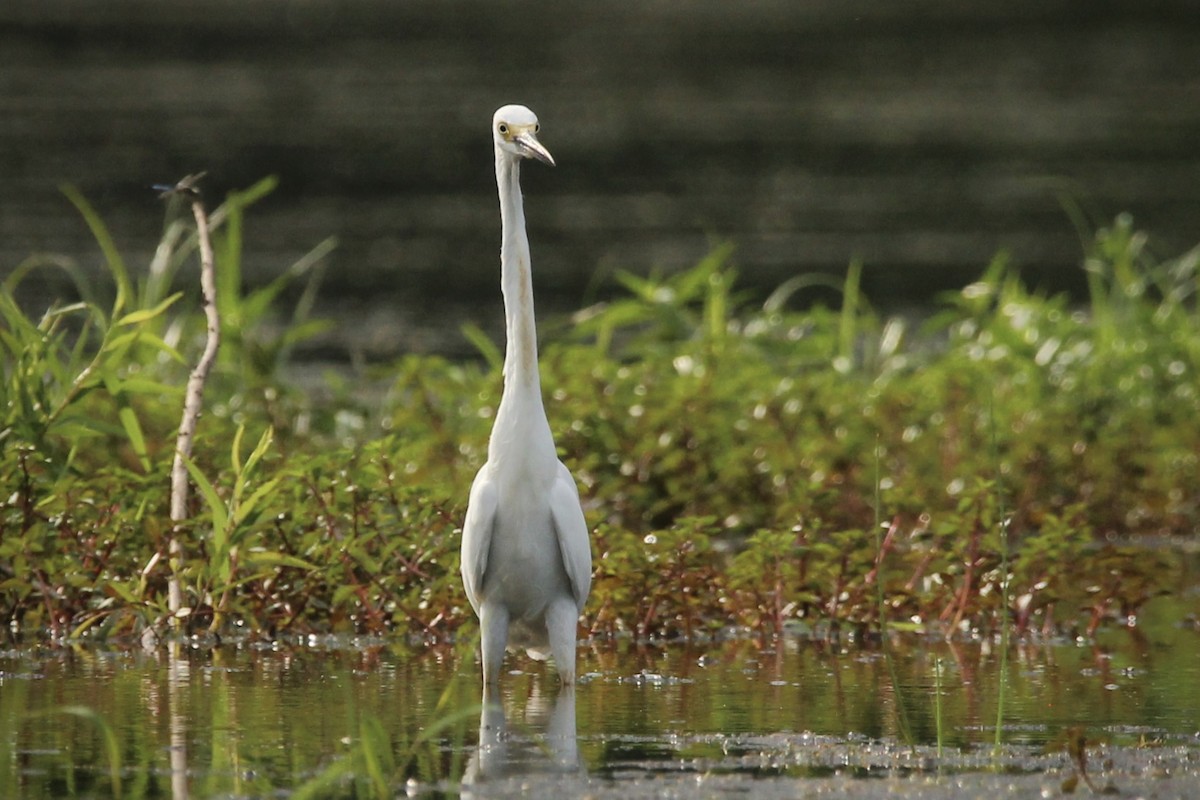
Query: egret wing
[(572, 532), (477, 534)]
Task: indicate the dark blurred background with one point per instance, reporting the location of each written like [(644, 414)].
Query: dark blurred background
[(919, 136)]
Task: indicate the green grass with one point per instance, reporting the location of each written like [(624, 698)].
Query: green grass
[(725, 450)]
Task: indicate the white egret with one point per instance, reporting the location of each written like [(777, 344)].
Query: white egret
[(526, 558)]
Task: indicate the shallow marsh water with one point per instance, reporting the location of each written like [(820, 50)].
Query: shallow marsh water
[(919, 137), (722, 719)]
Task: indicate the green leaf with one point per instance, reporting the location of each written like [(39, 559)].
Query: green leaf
[(429, 732), (62, 311), (79, 278), (82, 426), (250, 504), (133, 430), (235, 451), (303, 331), (228, 269), (323, 784), (144, 314), (248, 197), (376, 749), (691, 284), (120, 343), (220, 514), (256, 304), (847, 327), (778, 299), (112, 256), (260, 449), (644, 288), (122, 591), (364, 560), (108, 736), (128, 419), (484, 344), (342, 593), (271, 558), (145, 386)]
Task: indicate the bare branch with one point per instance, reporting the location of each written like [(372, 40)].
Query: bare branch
[(193, 398)]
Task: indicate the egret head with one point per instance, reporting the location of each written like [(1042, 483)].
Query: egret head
[(514, 130)]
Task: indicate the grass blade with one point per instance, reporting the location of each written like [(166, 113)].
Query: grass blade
[(220, 514), (112, 256), (108, 737)]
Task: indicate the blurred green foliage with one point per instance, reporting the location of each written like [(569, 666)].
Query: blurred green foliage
[(727, 452)]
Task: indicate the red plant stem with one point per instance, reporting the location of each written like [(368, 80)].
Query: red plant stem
[(968, 578)]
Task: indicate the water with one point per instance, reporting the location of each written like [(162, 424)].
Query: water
[(254, 719), (921, 137)]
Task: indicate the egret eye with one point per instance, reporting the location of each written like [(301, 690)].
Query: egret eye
[(536, 127), (503, 128)]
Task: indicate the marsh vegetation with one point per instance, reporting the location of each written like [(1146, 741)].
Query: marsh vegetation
[(737, 455)]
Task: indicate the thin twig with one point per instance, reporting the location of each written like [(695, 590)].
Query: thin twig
[(195, 388)]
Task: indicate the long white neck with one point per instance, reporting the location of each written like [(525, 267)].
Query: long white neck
[(521, 404)]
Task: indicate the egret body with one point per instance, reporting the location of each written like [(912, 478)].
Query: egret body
[(526, 559)]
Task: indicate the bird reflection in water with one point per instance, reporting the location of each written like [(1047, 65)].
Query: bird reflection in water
[(543, 743)]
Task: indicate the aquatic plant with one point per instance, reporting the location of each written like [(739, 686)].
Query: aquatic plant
[(1027, 445)]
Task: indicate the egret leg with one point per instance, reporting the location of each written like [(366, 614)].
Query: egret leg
[(491, 718), (561, 620), (560, 734), (493, 626)]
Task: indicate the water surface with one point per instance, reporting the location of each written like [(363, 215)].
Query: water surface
[(921, 137), (260, 719)]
